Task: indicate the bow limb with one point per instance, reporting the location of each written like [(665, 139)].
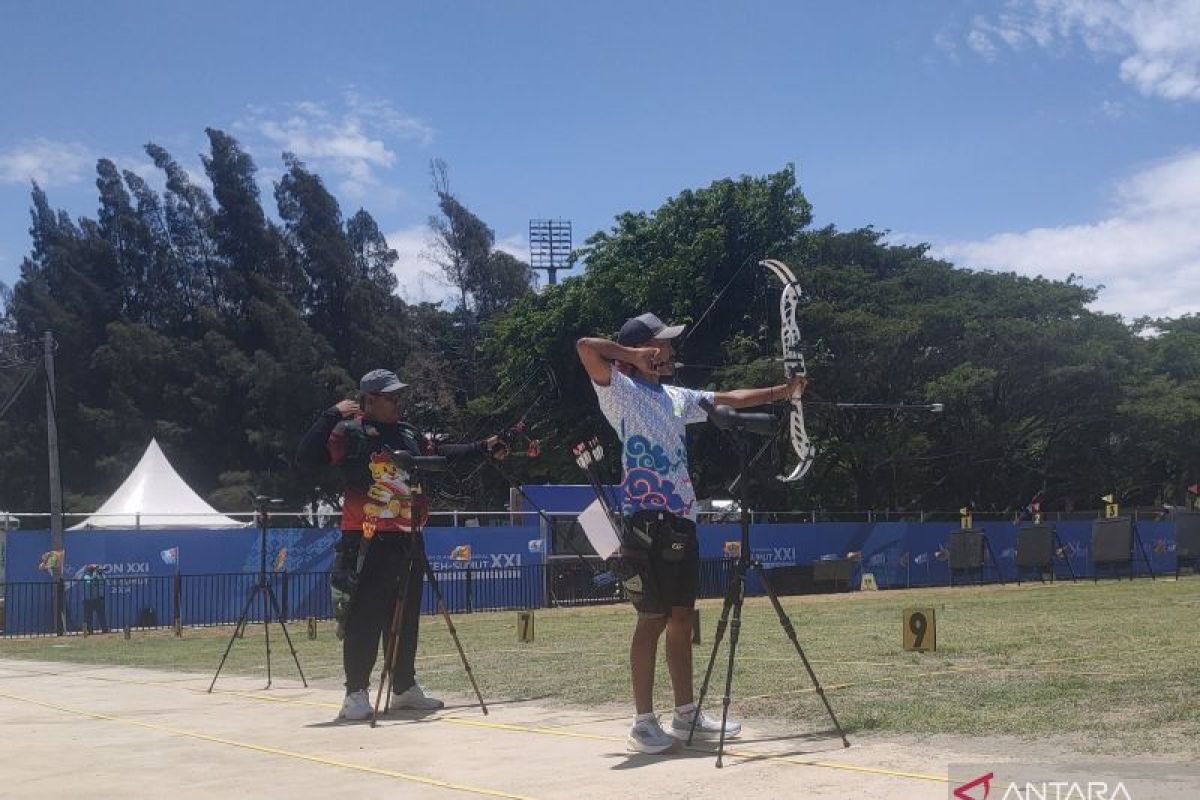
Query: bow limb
[(793, 365)]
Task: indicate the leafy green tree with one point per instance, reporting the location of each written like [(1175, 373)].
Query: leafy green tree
[(197, 320)]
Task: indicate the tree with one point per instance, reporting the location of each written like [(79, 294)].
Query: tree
[(673, 261), (249, 244), (221, 333), (190, 231), (170, 294)]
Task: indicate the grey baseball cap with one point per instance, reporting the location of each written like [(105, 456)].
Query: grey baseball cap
[(380, 381), (643, 328)]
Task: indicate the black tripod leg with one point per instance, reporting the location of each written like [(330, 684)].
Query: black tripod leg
[(241, 621), (735, 629), (287, 637), (786, 622), (389, 654), (731, 592), (441, 604), (266, 588)]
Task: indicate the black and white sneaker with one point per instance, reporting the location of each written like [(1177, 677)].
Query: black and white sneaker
[(706, 726)]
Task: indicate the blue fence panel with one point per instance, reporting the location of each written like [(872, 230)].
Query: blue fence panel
[(478, 568)]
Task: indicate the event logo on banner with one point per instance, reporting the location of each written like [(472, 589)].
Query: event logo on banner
[(495, 565), (128, 568), (774, 556), (52, 561)]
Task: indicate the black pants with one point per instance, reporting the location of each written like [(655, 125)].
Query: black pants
[(94, 606), (392, 564)]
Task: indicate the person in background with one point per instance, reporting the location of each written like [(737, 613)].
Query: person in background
[(94, 586)]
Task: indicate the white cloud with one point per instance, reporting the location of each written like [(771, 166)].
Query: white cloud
[(1157, 41), (356, 143), (980, 41), (382, 114), (516, 245), (143, 168), (420, 278), (1146, 252), (46, 161), (947, 42)]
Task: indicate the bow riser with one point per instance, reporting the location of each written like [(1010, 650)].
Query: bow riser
[(793, 365)]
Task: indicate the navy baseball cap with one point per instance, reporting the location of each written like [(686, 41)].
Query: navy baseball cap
[(644, 327), (380, 381)]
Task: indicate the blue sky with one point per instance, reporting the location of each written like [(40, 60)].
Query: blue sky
[(1045, 136)]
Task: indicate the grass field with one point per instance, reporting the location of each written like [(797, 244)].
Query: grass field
[(1113, 667)]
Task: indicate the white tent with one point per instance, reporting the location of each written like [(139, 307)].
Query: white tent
[(154, 496)]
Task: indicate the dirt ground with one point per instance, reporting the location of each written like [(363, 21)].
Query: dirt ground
[(72, 729)]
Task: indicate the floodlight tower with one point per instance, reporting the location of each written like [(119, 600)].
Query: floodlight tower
[(549, 245)]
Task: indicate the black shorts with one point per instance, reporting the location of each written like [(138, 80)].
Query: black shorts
[(662, 554)]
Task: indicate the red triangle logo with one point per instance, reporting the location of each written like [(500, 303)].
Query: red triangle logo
[(964, 792)]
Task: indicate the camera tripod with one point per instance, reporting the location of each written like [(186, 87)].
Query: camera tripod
[(735, 594), (262, 584), (418, 568)]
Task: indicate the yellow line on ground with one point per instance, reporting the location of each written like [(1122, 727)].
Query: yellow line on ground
[(582, 722), (837, 686), (260, 748), (516, 728), (546, 731), (815, 662), (950, 670), (920, 776), (268, 698), (739, 753)]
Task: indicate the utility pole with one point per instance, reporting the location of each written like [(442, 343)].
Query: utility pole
[(56, 519)]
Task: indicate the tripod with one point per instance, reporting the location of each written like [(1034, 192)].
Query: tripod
[(263, 584), (735, 594), (421, 569)]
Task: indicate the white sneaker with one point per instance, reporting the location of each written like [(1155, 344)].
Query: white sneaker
[(706, 726), (414, 697), (356, 706), (647, 736)]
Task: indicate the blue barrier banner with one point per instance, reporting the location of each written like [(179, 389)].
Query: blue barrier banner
[(903, 554), (480, 568), (164, 552), (140, 568), (206, 576)]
